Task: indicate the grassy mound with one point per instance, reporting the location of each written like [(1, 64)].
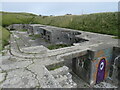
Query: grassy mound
[(16, 18), (104, 23), (4, 37)]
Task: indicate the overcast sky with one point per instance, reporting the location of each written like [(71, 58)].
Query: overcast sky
[(60, 8), (59, 0)]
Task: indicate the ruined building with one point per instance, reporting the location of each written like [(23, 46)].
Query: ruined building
[(92, 57)]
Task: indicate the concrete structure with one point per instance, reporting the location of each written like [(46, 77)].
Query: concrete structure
[(101, 58), (60, 35), (34, 29), (83, 64), (92, 65), (115, 66), (16, 26), (56, 35)]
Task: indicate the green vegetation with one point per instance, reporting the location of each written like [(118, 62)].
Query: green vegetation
[(4, 37), (35, 36), (30, 35), (104, 23), (116, 37), (57, 46), (23, 30), (16, 18), (55, 67)]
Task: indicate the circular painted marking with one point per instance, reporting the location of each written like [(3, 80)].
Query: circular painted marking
[(101, 65)]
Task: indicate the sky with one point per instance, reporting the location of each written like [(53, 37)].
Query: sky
[(60, 8), (59, 0)]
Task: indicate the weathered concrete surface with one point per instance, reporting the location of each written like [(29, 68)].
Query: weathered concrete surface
[(35, 49), (2, 76), (104, 85), (20, 78), (63, 76), (14, 64), (25, 67)]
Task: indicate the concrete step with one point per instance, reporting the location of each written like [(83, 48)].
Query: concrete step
[(74, 85), (104, 85), (62, 79), (60, 71)]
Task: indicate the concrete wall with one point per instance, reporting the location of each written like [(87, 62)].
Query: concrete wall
[(16, 26), (30, 30), (55, 36), (26, 26), (64, 37), (115, 66), (85, 64), (69, 57), (97, 56), (59, 37), (81, 66), (36, 29)]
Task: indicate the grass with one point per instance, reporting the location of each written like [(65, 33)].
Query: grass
[(55, 67), (37, 35), (9, 18), (104, 23), (116, 37), (4, 37), (33, 38), (51, 47), (23, 30), (30, 35)]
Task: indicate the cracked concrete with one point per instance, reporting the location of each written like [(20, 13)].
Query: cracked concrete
[(20, 78), (25, 67), (2, 77)]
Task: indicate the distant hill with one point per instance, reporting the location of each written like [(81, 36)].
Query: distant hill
[(16, 18), (105, 23)]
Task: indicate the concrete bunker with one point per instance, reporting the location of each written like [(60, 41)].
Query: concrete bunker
[(60, 36), (55, 37), (16, 27), (93, 65)]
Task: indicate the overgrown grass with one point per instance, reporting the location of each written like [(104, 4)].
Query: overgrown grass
[(104, 23), (37, 35), (23, 30), (51, 47), (16, 18), (55, 67), (4, 37), (116, 37)]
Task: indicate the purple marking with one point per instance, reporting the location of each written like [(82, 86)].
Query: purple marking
[(101, 70)]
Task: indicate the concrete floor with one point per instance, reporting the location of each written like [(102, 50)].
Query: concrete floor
[(26, 70)]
